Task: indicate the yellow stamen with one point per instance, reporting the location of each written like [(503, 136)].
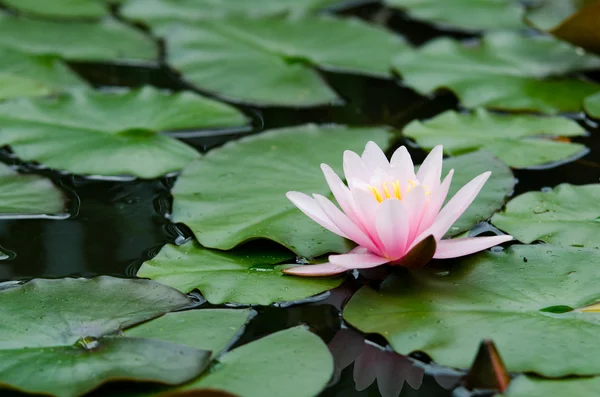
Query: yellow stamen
[(376, 194), (594, 308), (386, 191), (397, 191)]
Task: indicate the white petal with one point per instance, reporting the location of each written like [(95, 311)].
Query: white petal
[(355, 168), (436, 200), (454, 248), (374, 157), (357, 261), (341, 193), (321, 269), (309, 206), (393, 228), (430, 172), (403, 168)]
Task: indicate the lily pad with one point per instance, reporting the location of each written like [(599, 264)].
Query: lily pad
[(521, 298), (58, 336), (28, 195), (216, 55), (27, 75), (592, 105), (503, 70), (531, 386), (205, 329), (120, 131), (465, 14), (242, 276), (237, 192), (568, 216), (291, 363), (152, 11), (518, 140), (493, 195), (575, 21), (105, 40), (60, 8)]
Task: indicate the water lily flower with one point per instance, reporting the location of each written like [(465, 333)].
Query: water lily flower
[(390, 211)]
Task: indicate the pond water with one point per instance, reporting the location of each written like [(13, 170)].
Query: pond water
[(116, 225)]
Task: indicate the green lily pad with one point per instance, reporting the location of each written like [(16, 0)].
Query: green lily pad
[(568, 216), (59, 336), (28, 195), (105, 40), (291, 363), (26, 75), (503, 71), (60, 8), (205, 329), (518, 140), (244, 277), (592, 105), (152, 11), (216, 55), (575, 21), (120, 131), (466, 14), (520, 298), (530, 386), (237, 192), (493, 195)]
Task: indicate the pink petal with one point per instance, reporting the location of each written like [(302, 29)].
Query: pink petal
[(437, 198), (357, 260), (355, 168), (341, 193), (374, 157), (321, 269), (415, 203), (366, 206), (464, 246), (309, 206), (344, 223), (365, 367), (402, 165), (454, 208), (430, 172), (393, 227)]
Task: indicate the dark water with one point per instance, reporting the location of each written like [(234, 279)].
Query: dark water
[(116, 225)]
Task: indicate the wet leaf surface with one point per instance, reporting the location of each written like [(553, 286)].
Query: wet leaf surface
[(60, 8), (120, 131), (567, 216), (498, 296), (529, 386), (518, 140)]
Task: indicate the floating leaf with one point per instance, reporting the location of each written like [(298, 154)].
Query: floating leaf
[(282, 55), (152, 11), (465, 14), (519, 298), (228, 202), (60, 8), (28, 195), (575, 21), (518, 140), (493, 195), (503, 71), (57, 335), (26, 75), (106, 40), (592, 105), (205, 329), (291, 363), (245, 277), (120, 131), (530, 386), (568, 216)]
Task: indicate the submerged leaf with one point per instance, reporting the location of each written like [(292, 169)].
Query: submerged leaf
[(502, 71), (498, 296), (567, 216), (518, 140)]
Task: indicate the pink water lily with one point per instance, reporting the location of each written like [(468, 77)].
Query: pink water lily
[(388, 210)]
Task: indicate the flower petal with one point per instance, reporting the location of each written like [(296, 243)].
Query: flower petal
[(357, 261), (321, 269), (374, 157), (402, 165), (438, 196), (341, 193), (393, 227), (344, 223), (415, 203), (430, 172), (453, 248), (310, 208), (355, 168)]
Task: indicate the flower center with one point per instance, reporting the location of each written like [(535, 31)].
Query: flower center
[(389, 190)]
